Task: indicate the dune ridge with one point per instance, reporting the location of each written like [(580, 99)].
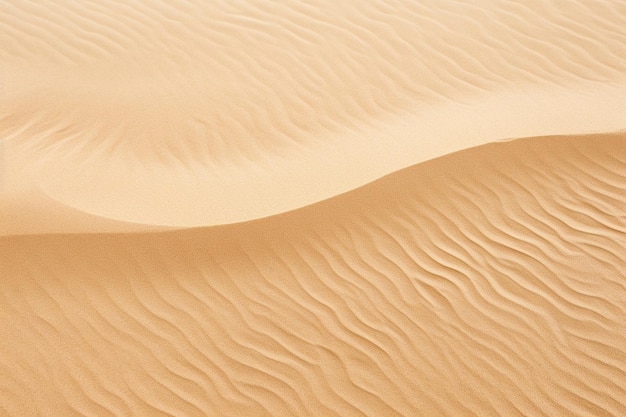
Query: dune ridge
[(215, 112), (313, 208), (486, 282)]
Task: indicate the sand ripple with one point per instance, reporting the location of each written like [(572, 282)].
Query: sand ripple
[(487, 282), (224, 108)]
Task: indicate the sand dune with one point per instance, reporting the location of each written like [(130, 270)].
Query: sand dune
[(487, 282), (313, 208), (202, 113)]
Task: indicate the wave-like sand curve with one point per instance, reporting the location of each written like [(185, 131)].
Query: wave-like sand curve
[(487, 282), (205, 113)]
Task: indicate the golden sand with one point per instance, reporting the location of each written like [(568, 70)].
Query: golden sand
[(320, 208)]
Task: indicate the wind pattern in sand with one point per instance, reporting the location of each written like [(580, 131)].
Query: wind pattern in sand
[(313, 208), (481, 283), (109, 105)]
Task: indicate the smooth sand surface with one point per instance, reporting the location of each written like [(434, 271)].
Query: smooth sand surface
[(321, 208)]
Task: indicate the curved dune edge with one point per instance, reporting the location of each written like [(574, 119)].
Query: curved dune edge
[(487, 282), (185, 194), (207, 113), (34, 212)]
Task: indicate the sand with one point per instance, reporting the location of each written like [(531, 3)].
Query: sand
[(384, 208)]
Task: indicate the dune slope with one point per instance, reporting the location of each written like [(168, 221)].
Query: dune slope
[(487, 282), (197, 113)]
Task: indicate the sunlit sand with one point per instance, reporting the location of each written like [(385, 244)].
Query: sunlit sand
[(322, 208)]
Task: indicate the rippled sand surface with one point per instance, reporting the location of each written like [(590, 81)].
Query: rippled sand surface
[(321, 208)]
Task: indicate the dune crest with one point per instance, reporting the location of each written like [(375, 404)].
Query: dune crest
[(313, 208), (487, 282), (219, 112)]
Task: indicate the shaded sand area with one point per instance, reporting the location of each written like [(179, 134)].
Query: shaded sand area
[(486, 282)]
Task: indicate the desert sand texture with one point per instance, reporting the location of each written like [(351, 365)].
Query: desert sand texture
[(486, 282), (202, 113), (313, 208)]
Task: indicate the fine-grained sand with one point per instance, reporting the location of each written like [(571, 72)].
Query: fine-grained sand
[(313, 208), (486, 282), (196, 113)]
